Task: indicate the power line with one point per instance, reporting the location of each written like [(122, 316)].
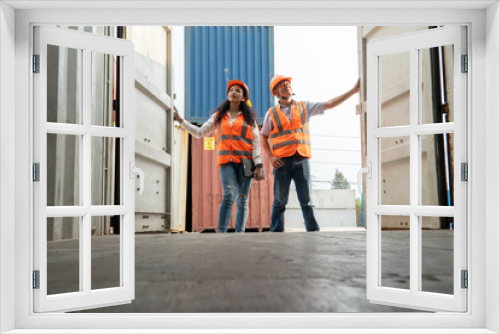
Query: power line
[(330, 181), (334, 149), (336, 163), (335, 136), (353, 182)]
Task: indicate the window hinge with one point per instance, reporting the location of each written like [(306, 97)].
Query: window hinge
[(465, 64), (36, 279), (36, 172), (465, 279), (465, 171), (36, 63)]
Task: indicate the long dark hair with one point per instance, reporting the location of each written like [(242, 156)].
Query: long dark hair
[(248, 112)]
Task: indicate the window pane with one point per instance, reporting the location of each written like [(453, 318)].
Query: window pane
[(63, 255), (395, 170), (395, 251), (436, 85), (105, 89), (395, 89), (437, 254), (105, 252), (63, 170), (64, 68), (106, 171), (437, 169)]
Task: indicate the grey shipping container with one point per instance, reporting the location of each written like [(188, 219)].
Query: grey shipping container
[(216, 55)]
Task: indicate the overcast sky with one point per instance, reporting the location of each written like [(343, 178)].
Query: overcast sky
[(323, 63)]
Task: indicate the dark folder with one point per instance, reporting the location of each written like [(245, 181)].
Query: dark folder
[(248, 167)]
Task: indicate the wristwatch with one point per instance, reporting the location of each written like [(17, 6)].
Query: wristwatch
[(258, 165)]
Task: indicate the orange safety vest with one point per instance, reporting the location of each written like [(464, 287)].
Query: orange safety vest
[(292, 136), (234, 142)]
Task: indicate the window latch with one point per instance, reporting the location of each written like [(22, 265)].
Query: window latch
[(361, 172)]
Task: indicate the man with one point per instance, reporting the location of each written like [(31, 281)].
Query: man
[(287, 126)]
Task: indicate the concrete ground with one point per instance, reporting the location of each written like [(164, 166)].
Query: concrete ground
[(259, 272)]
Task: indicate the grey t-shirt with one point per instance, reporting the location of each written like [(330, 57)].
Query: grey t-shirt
[(313, 109)]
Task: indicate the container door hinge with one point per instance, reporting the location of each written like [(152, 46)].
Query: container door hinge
[(36, 63), (465, 171), (36, 279), (36, 172), (465, 279), (465, 64)]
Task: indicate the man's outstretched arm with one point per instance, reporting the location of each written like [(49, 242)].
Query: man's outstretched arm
[(341, 98)]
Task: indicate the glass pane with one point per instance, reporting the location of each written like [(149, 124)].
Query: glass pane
[(63, 255), (64, 84), (437, 254), (395, 89), (105, 89), (106, 171), (63, 170), (437, 169), (436, 85), (105, 252), (395, 170), (395, 251)]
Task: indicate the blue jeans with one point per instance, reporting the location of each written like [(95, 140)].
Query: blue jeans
[(234, 185), (297, 169)]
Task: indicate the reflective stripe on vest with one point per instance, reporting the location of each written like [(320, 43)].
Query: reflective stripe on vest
[(233, 142), (290, 136), (239, 153)]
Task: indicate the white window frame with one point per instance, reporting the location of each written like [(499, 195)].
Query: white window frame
[(483, 21), (414, 44), (86, 297)]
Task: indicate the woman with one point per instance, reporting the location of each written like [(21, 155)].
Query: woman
[(237, 138)]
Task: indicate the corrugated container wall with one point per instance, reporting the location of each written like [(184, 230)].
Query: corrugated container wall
[(216, 55), (207, 193), (153, 126)]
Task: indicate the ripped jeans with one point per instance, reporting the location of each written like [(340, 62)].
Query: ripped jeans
[(235, 186)]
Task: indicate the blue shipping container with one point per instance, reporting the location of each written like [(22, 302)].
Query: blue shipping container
[(216, 55)]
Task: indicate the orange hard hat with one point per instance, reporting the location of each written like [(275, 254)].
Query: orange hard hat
[(240, 83), (276, 80)]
